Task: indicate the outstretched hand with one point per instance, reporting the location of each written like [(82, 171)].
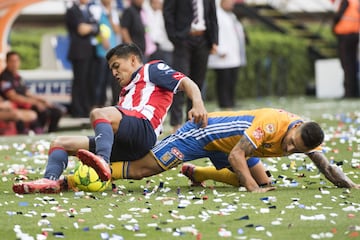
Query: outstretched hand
[(356, 186)]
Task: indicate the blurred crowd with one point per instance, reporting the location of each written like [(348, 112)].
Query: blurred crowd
[(211, 37)]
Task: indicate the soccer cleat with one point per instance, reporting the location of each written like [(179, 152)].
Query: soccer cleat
[(42, 185), (188, 170), (96, 162)]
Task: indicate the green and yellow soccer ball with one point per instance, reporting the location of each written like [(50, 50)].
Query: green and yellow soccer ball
[(86, 179)]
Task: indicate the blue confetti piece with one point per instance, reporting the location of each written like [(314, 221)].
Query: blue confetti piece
[(23, 204)]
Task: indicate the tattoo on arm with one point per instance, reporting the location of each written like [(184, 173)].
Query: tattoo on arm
[(245, 145), (333, 173), (237, 160)]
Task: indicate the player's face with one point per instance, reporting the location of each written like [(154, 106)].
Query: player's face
[(293, 143), (123, 68)]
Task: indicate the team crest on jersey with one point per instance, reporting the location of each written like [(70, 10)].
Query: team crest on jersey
[(258, 133), (270, 128), (162, 66), (166, 157), (177, 153)]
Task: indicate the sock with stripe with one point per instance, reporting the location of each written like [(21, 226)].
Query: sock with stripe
[(70, 181), (211, 173), (120, 170), (104, 138), (57, 162)]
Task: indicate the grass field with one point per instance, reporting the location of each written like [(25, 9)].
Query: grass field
[(304, 205)]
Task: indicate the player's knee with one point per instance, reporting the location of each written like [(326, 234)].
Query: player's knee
[(137, 175), (96, 113), (62, 142)]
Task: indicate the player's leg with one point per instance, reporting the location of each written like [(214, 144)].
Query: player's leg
[(144, 167), (60, 149), (25, 115), (133, 140), (55, 113), (199, 174), (105, 122)]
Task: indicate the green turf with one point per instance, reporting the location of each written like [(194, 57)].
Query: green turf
[(314, 209)]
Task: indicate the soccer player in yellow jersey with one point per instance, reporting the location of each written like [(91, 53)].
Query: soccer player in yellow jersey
[(234, 142)]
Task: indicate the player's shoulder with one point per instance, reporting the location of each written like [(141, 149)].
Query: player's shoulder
[(159, 67), (5, 76)]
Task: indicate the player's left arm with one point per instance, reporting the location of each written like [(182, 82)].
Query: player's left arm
[(237, 159), (198, 111), (333, 173), (164, 76)]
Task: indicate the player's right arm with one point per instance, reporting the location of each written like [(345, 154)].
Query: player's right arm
[(237, 159), (332, 173)]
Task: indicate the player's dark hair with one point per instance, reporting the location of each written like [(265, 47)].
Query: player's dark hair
[(11, 53), (124, 50), (311, 134)]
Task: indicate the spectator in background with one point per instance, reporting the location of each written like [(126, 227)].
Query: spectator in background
[(15, 90), (11, 117), (230, 54), (191, 26), (158, 33), (346, 28), (134, 28), (107, 17), (82, 29)]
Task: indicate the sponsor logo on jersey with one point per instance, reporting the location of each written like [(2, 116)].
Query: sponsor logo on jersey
[(178, 75), (162, 66), (258, 133), (177, 153)]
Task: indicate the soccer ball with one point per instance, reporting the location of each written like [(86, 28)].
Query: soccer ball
[(86, 179)]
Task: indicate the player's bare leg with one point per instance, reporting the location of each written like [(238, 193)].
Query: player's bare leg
[(138, 169)]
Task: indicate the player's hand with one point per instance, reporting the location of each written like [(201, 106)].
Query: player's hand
[(199, 115), (356, 186), (263, 189)]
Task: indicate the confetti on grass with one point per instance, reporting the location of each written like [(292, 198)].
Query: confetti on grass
[(165, 206)]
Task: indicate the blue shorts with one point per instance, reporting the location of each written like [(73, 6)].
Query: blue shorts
[(183, 147), (133, 140)]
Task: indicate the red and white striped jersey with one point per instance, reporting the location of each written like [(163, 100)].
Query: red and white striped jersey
[(150, 93)]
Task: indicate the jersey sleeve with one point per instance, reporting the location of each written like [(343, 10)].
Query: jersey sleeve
[(164, 76), (317, 149), (5, 83), (5, 86), (255, 134)]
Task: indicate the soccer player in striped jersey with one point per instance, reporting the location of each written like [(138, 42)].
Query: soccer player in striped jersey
[(128, 130)]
